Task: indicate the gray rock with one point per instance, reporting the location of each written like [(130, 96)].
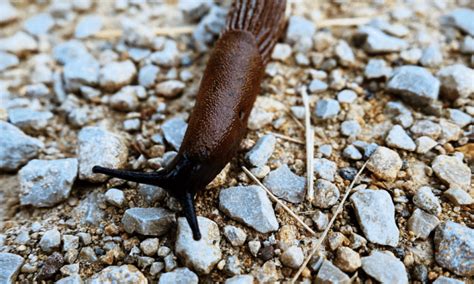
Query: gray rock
[(148, 221), (170, 88), (29, 120), (8, 13), (426, 128), (292, 257), (327, 108), (344, 53), (452, 171), (329, 273), (411, 56), (81, 71), (346, 96), (317, 86), (281, 51), (39, 24), (200, 255), (351, 152), (467, 46), (414, 84), (347, 259), (326, 194), (376, 41), (384, 267), (398, 138), (168, 56), (8, 60), (285, 184), (19, 43), (249, 205), (88, 211), (179, 276), (115, 75), (377, 68), (350, 128), (147, 75), (254, 247), (320, 220), (150, 246), (298, 28), (45, 183), (426, 200), (71, 242), (195, 10), (461, 18), (100, 147), (325, 169), (459, 117), (132, 124), (16, 148), (115, 197), (261, 151), (385, 163), (432, 56), (118, 274), (447, 280), (73, 279), (454, 248), (10, 265), (422, 223), (458, 196), (240, 279), (36, 90), (235, 235), (449, 131), (69, 51), (456, 81), (88, 26), (174, 130), (326, 150), (137, 34), (127, 98), (209, 27), (424, 144), (382, 229), (151, 193), (50, 241), (259, 118)]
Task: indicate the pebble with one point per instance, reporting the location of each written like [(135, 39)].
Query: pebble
[(325, 149), (461, 18), (168, 56), (118, 274), (424, 144), (147, 75), (170, 88), (209, 27), (346, 96), (325, 169), (249, 205), (459, 117), (72, 279), (70, 50), (98, 146), (115, 197), (293, 257), (467, 46), (10, 265), (329, 273), (235, 235), (156, 267), (148, 221), (458, 196), (51, 266), (298, 28), (16, 148), (151, 193), (8, 13), (398, 138), (240, 279), (426, 128), (126, 99), (29, 120), (431, 56), (259, 118), (384, 267), (50, 241), (326, 194), (426, 200), (320, 220), (81, 72), (385, 163), (150, 246), (327, 108), (452, 171), (347, 259), (344, 53), (281, 51), (88, 26), (174, 130), (351, 152), (317, 86), (350, 128), (285, 184), (254, 247), (411, 56), (377, 68), (414, 84), (8, 60), (70, 242), (447, 280), (449, 131), (454, 248), (456, 81), (19, 44), (39, 24), (422, 223), (376, 41), (45, 183), (369, 203), (261, 151), (179, 276), (115, 75)]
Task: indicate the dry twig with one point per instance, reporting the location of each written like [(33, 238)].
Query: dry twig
[(341, 22), (164, 31), (309, 131), (288, 138)]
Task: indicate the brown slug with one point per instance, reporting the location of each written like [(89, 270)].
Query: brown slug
[(229, 87)]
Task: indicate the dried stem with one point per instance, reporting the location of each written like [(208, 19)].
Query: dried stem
[(309, 131), (164, 31), (288, 138), (341, 22)]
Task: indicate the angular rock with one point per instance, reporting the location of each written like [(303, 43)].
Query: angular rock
[(327, 108), (467, 46), (261, 151), (240, 279), (377, 68), (69, 51), (115, 75), (28, 120), (385, 163), (168, 56), (45, 183), (281, 52), (461, 18), (458, 196), (326, 194), (422, 223), (118, 274), (426, 200), (452, 171), (235, 235), (115, 197), (8, 13), (127, 98), (19, 43), (456, 81), (376, 41), (174, 130), (179, 276), (351, 152), (148, 221), (73, 279), (325, 169), (381, 229), (424, 144), (249, 205), (350, 128), (88, 26), (200, 255), (329, 273), (285, 184), (426, 128), (346, 96), (10, 265), (50, 240), (8, 60), (432, 56), (447, 280), (170, 88), (317, 86), (39, 24), (298, 28), (384, 267), (147, 75), (81, 72), (398, 138), (459, 117), (347, 259), (344, 53)]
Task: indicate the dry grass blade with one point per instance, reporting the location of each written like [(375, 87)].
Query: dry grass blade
[(288, 138), (164, 31), (343, 22), (309, 131), (274, 198), (297, 121), (326, 231)]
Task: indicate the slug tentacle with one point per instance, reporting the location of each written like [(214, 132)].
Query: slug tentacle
[(153, 178)]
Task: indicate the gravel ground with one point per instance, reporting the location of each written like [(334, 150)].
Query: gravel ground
[(113, 83)]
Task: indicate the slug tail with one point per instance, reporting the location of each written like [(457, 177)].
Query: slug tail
[(190, 214), (265, 19), (153, 178)]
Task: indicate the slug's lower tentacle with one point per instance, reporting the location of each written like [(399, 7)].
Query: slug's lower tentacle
[(154, 178), (190, 214)]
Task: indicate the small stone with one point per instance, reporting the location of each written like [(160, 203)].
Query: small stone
[(317, 86), (115, 197), (235, 235), (70, 242), (376, 41), (384, 267), (170, 262), (88, 26), (164, 251), (346, 96), (298, 28), (51, 266), (254, 247), (179, 276), (351, 152), (458, 196), (240, 279), (100, 147), (426, 128), (174, 130), (325, 169), (148, 221), (447, 280), (369, 203), (281, 51), (467, 46), (348, 173), (461, 19), (118, 274), (424, 144), (459, 117), (350, 128), (151, 193), (85, 238), (147, 75), (347, 259), (454, 248), (456, 81), (266, 253), (344, 53), (45, 183), (432, 56), (50, 240), (426, 200), (28, 120), (261, 151), (326, 194), (452, 171), (249, 205), (69, 51), (72, 279), (414, 84), (39, 24), (321, 220), (79, 72), (115, 75), (285, 184), (398, 138), (259, 118), (385, 163), (326, 150), (168, 56), (156, 267), (449, 131), (150, 246), (422, 223), (19, 43), (10, 264), (8, 60), (411, 56), (327, 108), (127, 98), (8, 13), (170, 88), (293, 257), (329, 273), (377, 68)]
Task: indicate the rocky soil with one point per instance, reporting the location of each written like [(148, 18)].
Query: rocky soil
[(112, 83)]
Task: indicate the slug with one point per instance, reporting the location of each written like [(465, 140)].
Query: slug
[(218, 122)]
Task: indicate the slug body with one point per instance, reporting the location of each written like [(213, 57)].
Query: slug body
[(229, 87)]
